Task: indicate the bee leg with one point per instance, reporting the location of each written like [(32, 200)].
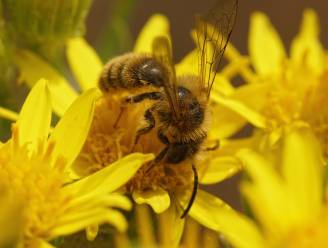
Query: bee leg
[(162, 154), (150, 125), (213, 148), (162, 137), (119, 117), (139, 98), (136, 99), (193, 194), (158, 158)]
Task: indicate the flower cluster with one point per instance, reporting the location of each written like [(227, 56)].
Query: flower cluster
[(36, 185), (285, 188), (77, 174)]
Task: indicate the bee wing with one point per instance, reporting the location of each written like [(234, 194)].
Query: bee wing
[(162, 51), (213, 33)]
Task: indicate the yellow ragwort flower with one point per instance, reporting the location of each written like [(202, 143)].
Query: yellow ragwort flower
[(286, 88), (165, 187), (35, 178), (286, 194), (153, 232)]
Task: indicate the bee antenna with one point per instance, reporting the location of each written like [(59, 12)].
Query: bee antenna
[(193, 194)]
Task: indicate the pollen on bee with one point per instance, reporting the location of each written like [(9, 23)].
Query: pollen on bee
[(111, 137)]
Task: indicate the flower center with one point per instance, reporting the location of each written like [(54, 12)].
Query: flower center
[(35, 181), (315, 111), (112, 136), (313, 235), (300, 95)]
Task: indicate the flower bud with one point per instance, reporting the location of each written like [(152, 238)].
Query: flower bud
[(39, 23)]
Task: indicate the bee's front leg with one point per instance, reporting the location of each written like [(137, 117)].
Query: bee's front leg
[(122, 109), (141, 97), (136, 99), (149, 118), (212, 148), (159, 157)]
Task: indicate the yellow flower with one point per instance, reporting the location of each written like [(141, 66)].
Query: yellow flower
[(154, 232), (286, 88), (10, 209), (165, 187), (286, 194), (34, 172)]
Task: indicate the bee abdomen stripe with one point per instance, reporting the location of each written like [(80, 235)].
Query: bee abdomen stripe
[(131, 71), (121, 70)]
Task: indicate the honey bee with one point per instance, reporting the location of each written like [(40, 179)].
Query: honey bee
[(180, 104)]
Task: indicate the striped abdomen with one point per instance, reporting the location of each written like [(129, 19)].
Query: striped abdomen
[(131, 71)]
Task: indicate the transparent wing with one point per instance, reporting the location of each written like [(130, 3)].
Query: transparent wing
[(213, 33), (162, 51)]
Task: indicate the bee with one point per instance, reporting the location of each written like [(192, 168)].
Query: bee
[(179, 108)]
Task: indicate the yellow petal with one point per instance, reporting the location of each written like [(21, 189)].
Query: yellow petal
[(237, 61), (71, 131), (188, 65), (254, 97), (144, 226), (216, 215), (84, 62), (224, 122), (239, 66), (306, 48), (112, 177), (158, 199), (302, 169), (252, 116), (222, 85), (256, 200), (93, 200), (118, 201), (8, 114), (79, 220), (11, 208), (92, 232), (89, 202), (268, 186), (265, 47), (40, 243), (172, 226), (229, 147), (35, 115), (218, 169), (204, 208), (32, 68), (157, 25)]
